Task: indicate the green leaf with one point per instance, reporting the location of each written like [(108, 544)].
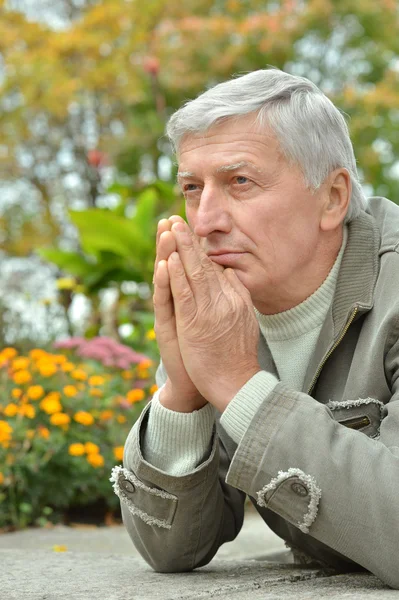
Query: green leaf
[(71, 262), (145, 214)]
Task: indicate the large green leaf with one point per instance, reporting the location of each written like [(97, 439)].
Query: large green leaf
[(145, 215), (71, 262), (102, 230)]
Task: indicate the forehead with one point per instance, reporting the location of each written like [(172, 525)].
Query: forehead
[(228, 143)]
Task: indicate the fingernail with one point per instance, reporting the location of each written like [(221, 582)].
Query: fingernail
[(179, 227), (174, 257)]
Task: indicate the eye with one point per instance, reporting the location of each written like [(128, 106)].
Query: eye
[(190, 187), (241, 179)]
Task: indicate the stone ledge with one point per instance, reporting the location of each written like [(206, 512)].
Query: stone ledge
[(46, 575)]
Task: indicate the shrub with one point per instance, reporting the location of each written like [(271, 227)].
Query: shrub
[(63, 423)]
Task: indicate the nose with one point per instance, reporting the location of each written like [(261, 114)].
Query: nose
[(212, 214)]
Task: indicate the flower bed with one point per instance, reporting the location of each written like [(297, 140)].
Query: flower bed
[(63, 422)]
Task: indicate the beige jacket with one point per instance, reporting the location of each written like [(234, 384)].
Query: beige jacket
[(321, 464)]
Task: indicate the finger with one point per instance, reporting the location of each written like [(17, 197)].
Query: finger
[(162, 298), (198, 267), (164, 225), (183, 298), (236, 284)]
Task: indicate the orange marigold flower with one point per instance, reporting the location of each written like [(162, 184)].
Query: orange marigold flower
[(70, 390), (1, 478), (95, 392), (153, 389), (21, 377), (67, 367), (5, 431), (145, 364), (50, 405), (59, 359), (76, 449), (91, 448), (106, 415), (54, 396), (121, 419), (96, 380), (27, 410), (60, 419), (96, 460), (19, 364), (16, 393), (11, 410), (118, 453), (37, 353), (127, 375), (143, 373), (135, 395), (83, 417), (44, 432), (35, 392), (79, 374), (8, 353), (47, 369)]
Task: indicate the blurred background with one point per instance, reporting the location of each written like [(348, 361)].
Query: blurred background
[(86, 87)]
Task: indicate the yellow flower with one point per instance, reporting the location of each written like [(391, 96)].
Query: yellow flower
[(30, 434), (153, 389), (150, 335), (11, 410), (145, 364), (66, 283), (54, 396), (5, 431), (50, 405), (106, 415), (1, 478), (60, 419), (16, 393), (44, 432), (95, 392), (59, 359), (35, 392), (135, 395), (76, 449), (96, 460), (27, 410), (84, 418), (67, 367), (8, 353), (143, 373), (47, 369), (121, 419), (118, 453), (21, 377), (37, 353), (70, 391), (18, 364), (127, 375), (96, 380), (91, 448), (58, 548), (79, 374)]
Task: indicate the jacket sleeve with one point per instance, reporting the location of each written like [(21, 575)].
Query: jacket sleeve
[(334, 483), (177, 523)]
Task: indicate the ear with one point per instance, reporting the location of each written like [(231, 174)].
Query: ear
[(338, 190)]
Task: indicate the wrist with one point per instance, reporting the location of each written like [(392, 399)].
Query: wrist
[(180, 400)]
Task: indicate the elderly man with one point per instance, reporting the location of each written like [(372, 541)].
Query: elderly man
[(277, 319)]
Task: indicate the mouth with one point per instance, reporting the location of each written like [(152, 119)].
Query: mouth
[(225, 257)]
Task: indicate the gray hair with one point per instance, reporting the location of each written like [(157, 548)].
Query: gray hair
[(311, 131)]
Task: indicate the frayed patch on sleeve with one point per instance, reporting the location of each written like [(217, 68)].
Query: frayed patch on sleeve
[(310, 483), (116, 474), (333, 405)]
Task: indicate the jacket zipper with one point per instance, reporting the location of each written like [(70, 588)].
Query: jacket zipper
[(356, 422), (327, 356)]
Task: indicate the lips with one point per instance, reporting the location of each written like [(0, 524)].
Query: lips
[(225, 257)]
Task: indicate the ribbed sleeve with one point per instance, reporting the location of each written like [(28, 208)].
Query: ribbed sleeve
[(175, 442), (242, 408)]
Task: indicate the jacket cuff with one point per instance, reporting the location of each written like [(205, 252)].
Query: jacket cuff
[(175, 442), (245, 404)]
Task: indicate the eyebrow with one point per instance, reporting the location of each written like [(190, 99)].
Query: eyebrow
[(222, 169)]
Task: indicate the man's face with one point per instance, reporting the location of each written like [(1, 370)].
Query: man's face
[(252, 211)]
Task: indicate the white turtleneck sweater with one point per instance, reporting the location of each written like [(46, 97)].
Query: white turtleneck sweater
[(177, 443)]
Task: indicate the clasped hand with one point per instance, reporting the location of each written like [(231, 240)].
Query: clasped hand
[(204, 321)]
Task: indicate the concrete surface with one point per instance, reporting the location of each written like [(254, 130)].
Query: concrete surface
[(102, 564)]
